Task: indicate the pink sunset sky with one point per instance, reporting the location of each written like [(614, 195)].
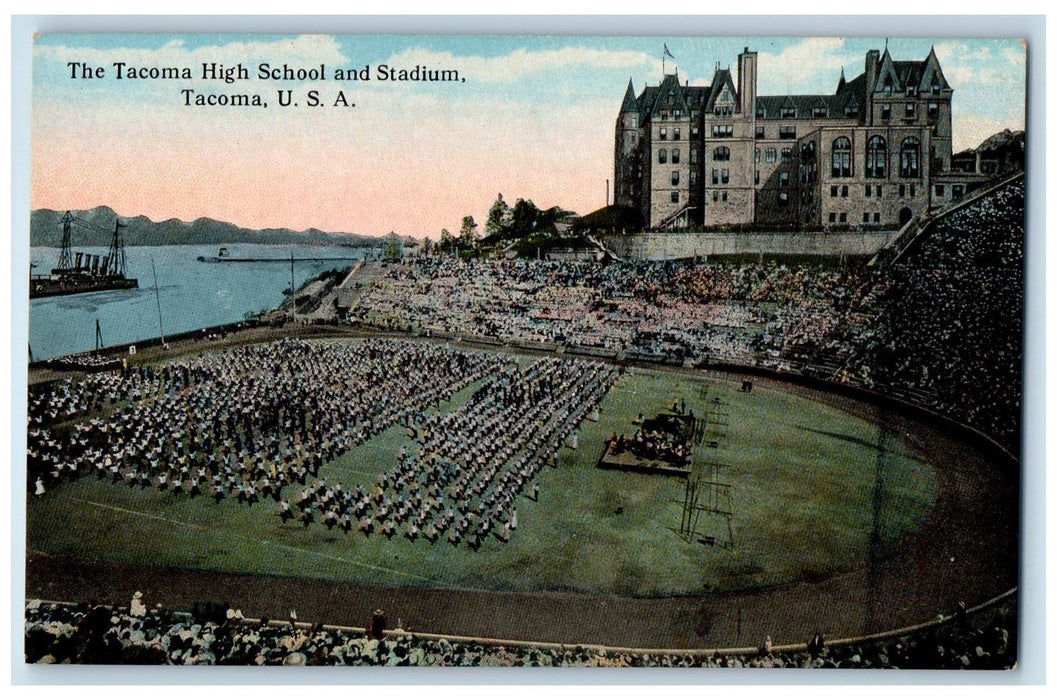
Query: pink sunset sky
[(534, 119)]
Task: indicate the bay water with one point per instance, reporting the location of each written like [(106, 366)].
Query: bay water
[(193, 295)]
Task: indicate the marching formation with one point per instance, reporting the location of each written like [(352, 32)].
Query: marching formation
[(471, 464), (247, 423)]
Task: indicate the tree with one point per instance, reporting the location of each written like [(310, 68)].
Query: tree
[(427, 246), (468, 233), (391, 247), (446, 243), (498, 217)]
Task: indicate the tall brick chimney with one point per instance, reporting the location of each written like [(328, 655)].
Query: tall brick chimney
[(747, 82)]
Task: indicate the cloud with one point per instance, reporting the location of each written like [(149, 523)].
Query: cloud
[(808, 67)]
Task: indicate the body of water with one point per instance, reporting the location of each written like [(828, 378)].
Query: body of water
[(193, 294)]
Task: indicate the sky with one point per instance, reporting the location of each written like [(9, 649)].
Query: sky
[(530, 117)]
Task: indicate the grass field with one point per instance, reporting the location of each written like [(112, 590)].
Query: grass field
[(813, 490)]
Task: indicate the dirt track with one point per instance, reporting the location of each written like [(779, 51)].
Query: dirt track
[(965, 551)]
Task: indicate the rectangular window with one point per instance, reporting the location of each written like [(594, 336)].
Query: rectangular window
[(819, 112), (675, 178), (851, 110), (878, 191), (675, 197), (725, 176), (787, 155), (724, 197), (832, 217), (886, 112), (715, 176), (761, 113), (694, 131), (868, 191), (911, 112), (877, 217), (693, 156), (675, 155), (866, 217), (757, 156), (902, 191), (939, 190), (676, 132), (957, 191), (756, 178), (715, 196), (664, 133), (844, 191), (833, 191), (934, 110), (912, 193), (844, 217), (721, 131), (787, 132), (783, 179), (770, 155), (693, 178), (760, 131), (788, 112), (662, 156)]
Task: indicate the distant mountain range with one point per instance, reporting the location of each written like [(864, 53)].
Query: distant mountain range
[(45, 229)]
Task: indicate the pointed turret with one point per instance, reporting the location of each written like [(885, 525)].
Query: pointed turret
[(630, 104), (841, 83)]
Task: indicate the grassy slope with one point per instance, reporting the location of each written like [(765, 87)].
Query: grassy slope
[(802, 475)]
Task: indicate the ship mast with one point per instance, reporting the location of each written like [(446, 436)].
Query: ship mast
[(65, 255), (116, 265)]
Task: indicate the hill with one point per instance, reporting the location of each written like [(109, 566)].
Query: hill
[(45, 229)]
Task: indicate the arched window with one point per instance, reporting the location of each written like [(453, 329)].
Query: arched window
[(675, 155), (909, 158), (841, 159), (721, 153), (662, 155), (876, 157)]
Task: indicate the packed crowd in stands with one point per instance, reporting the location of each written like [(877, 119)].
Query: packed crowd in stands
[(247, 423), (136, 634), (941, 328)]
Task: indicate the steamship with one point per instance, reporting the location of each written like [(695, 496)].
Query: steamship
[(79, 273)]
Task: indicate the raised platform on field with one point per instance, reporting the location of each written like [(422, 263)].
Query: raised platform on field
[(642, 452)]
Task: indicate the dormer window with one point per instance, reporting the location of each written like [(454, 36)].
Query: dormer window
[(761, 113), (818, 112), (788, 112)]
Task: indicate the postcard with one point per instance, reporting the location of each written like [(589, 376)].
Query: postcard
[(541, 350)]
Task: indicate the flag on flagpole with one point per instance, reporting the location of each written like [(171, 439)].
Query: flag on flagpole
[(667, 52)]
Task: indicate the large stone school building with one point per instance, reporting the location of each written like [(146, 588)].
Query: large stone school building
[(873, 155)]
